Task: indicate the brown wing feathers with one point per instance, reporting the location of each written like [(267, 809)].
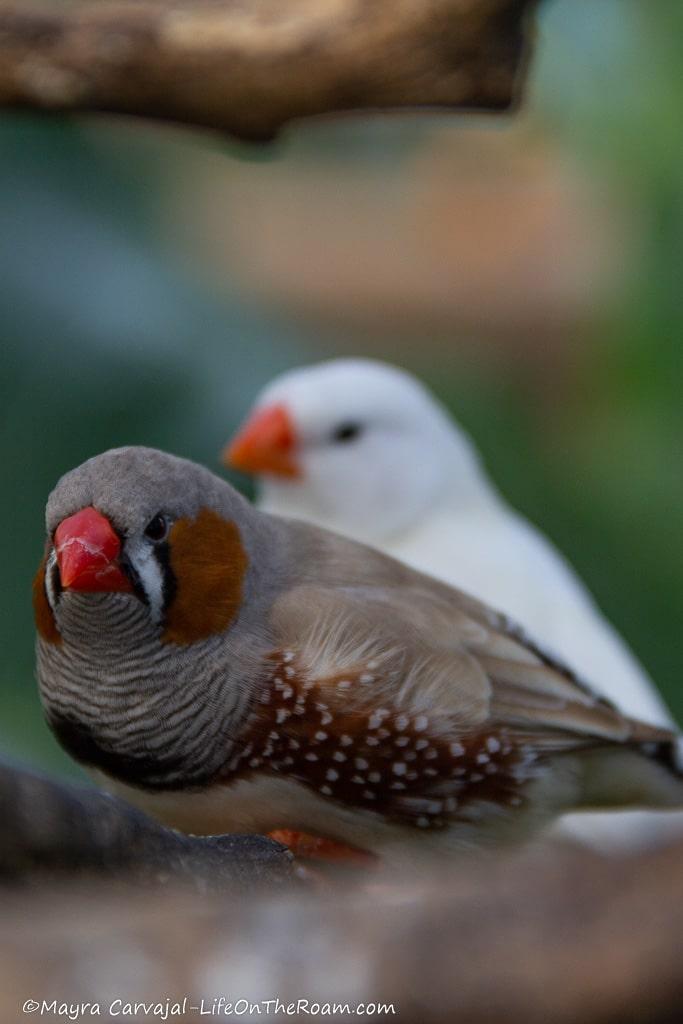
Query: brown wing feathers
[(418, 733), (331, 735)]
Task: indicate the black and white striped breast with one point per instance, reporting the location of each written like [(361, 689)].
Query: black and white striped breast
[(119, 699)]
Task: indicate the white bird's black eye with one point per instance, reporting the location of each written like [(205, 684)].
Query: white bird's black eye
[(157, 528), (347, 432)]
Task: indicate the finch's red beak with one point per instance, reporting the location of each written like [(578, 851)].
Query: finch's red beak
[(87, 548), (265, 444)]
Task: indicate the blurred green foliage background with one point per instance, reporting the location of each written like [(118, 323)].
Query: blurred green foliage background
[(152, 279)]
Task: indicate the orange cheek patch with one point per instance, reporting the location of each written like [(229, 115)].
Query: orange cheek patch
[(209, 564), (45, 620)]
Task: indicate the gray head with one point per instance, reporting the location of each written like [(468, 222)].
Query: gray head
[(150, 569), (131, 485)]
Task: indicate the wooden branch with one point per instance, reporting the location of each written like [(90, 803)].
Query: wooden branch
[(549, 935), (250, 68), (58, 830)]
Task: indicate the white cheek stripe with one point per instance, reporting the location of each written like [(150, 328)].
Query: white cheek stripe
[(50, 579), (145, 563)]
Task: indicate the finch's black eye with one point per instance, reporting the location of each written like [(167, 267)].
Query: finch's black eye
[(157, 528), (347, 432)]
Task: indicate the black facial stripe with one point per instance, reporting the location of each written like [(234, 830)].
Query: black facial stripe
[(129, 570), (169, 582)]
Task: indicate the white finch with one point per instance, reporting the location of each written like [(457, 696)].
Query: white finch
[(362, 448)]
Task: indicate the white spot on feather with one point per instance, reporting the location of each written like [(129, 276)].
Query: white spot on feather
[(376, 718)]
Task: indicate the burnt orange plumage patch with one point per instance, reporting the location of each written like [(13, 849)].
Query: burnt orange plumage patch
[(45, 620), (209, 564)]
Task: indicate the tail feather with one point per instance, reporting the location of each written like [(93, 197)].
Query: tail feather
[(658, 743), (646, 772)]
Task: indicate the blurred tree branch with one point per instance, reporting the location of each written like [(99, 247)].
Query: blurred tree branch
[(53, 829), (548, 935), (251, 68), (551, 933)]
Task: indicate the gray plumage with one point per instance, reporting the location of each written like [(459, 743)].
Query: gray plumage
[(207, 734)]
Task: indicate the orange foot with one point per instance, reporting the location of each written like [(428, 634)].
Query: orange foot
[(327, 851)]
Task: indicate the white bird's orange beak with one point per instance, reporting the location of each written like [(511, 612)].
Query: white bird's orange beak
[(265, 444)]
